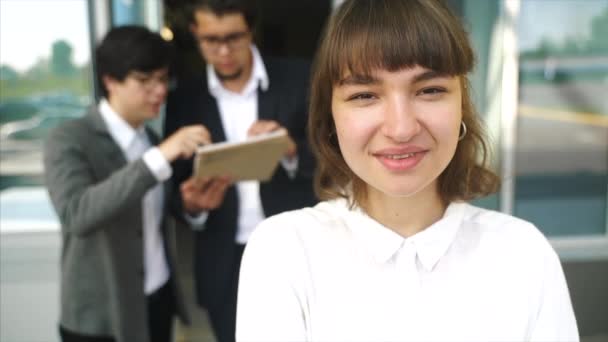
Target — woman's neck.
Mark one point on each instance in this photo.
(405, 215)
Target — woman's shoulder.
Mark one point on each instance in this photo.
(503, 229)
(493, 219)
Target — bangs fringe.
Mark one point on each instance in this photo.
(387, 36)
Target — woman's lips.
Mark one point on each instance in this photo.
(400, 159)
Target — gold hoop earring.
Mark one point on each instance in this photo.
(464, 131)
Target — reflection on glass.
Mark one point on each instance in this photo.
(44, 76)
(44, 79)
(562, 138)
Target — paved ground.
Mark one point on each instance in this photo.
(29, 292)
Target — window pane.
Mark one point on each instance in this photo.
(562, 137)
(45, 79)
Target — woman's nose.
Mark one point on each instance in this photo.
(400, 120)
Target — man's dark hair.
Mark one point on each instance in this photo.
(130, 48)
(222, 7)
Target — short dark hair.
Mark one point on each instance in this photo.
(247, 8)
(364, 35)
(130, 48)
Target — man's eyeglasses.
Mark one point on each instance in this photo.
(149, 80)
(233, 41)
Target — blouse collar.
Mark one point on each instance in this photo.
(430, 244)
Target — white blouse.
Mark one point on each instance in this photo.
(329, 273)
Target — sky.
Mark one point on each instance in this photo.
(29, 27)
(561, 18)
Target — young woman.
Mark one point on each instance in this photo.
(394, 253)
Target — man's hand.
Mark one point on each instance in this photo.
(183, 143)
(204, 194)
(266, 126)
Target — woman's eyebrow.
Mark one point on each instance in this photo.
(428, 75)
(358, 80)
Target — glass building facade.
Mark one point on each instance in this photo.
(540, 84)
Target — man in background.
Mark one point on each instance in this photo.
(240, 94)
(106, 175)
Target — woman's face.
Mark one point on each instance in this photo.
(398, 130)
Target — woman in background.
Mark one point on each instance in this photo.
(394, 253)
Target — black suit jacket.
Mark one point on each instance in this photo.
(285, 101)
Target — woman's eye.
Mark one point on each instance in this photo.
(432, 91)
(361, 96)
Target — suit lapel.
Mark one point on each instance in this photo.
(211, 117)
(267, 104)
(267, 99)
(105, 144)
(267, 110)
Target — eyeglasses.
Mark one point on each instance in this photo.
(233, 41)
(149, 80)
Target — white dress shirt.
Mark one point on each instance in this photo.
(238, 111)
(330, 273)
(135, 144)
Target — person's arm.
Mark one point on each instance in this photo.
(299, 98)
(289, 162)
(270, 300)
(192, 199)
(83, 203)
(555, 320)
(176, 116)
(199, 196)
(290, 79)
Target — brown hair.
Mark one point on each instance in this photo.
(364, 35)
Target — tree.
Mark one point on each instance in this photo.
(599, 33)
(40, 69)
(7, 73)
(61, 59)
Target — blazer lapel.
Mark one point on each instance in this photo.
(211, 118)
(267, 104)
(107, 147)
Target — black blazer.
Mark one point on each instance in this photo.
(285, 101)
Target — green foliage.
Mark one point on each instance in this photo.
(61, 59)
(599, 32)
(78, 84)
(58, 74)
(7, 73)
